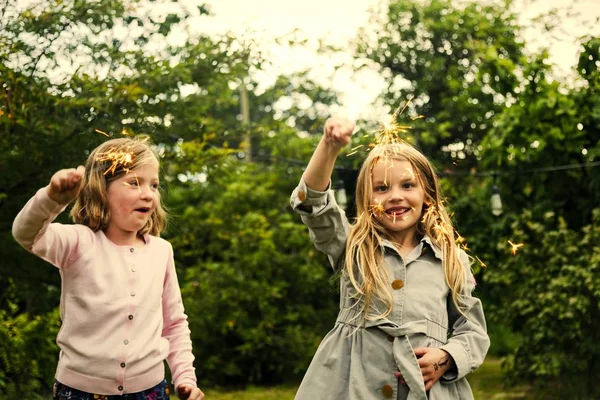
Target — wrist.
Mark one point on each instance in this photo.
(331, 147)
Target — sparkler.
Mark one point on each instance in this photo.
(391, 131)
(514, 247)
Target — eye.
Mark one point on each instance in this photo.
(155, 186)
(133, 182)
(408, 185)
(381, 188)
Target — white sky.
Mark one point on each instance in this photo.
(337, 22)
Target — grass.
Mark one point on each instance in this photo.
(486, 383)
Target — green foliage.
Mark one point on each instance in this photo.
(28, 351)
(551, 291)
(253, 282)
(459, 63)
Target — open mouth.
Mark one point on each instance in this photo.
(143, 210)
(397, 212)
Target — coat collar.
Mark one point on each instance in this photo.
(425, 243)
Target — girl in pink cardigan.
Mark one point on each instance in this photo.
(121, 308)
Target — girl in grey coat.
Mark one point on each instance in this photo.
(408, 327)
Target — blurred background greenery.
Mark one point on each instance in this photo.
(258, 296)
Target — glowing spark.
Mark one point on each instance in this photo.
(514, 247)
(481, 262)
(390, 131)
(117, 159)
(102, 132)
(377, 208)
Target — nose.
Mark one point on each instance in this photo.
(396, 193)
(146, 192)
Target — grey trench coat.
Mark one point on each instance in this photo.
(357, 359)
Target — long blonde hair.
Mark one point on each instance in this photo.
(364, 248)
(108, 162)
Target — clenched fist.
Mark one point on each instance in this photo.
(338, 131)
(65, 185)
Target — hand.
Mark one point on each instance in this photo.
(65, 185)
(433, 362)
(338, 131)
(189, 392)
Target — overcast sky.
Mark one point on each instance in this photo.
(337, 21)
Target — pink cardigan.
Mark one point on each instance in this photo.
(121, 308)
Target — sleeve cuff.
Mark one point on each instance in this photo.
(185, 381)
(305, 199)
(462, 361)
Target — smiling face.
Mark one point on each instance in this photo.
(397, 198)
(132, 198)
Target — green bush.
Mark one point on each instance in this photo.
(553, 296)
(28, 352)
(258, 295)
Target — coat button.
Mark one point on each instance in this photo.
(398, 284)
(387, 391)
(301, 195)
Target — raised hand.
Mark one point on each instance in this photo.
(338, 131)
(65, 185)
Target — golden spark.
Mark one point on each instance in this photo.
(481, 262)
(514, 247)
(117, 159)
(377, 208)
(102, 132)
(391, 131)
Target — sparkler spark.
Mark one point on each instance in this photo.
(377, 208)
(102, 132)
(514, 247)
(391, 131)
(481, 262)
(117, 159)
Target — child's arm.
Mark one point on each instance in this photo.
(176, 331)
(469, 342)
(326, 222)
(336, 134)
(32, 227)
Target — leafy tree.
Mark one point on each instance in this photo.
(459, 63)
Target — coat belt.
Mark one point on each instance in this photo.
(405, 358)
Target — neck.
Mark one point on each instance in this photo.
(124, 238)
(406, 242)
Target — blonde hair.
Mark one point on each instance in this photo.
(364, 248)
(108, 162)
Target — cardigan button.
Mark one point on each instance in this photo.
(387, 391)
(301, 195)
(398, 284)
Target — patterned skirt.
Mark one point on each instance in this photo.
(158, 392)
